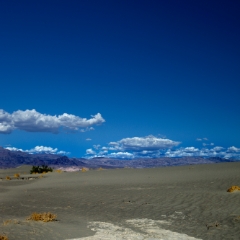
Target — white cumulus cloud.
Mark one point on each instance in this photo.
(90, 151)
(6, 124)
(121, 155)
(144, 143)
(233, 149)
(149, 146)
(42, 149)
(39, 149)
(218, 148)
(14, 149)
(33, 121)
(191, 149)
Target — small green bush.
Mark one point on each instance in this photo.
(42, 169)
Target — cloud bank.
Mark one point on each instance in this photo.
(40, 149)
(154, 147)
(128, 148)
(33, 121)
(227, 153)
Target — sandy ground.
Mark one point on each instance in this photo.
(160, 203)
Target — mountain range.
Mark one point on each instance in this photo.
(11, 159)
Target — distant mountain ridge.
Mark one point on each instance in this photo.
(11, 159)
(151, 162)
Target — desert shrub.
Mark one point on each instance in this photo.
(42, 169)
(16, 175)
(10, 221)
(8, 178)
(59, 170)
(237, 218)
(233, 188)
(43, 217)
(3, 237)
(84, 169)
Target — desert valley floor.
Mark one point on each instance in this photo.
(187, 202)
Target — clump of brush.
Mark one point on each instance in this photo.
(3, 237)
(43, 217)
(40, 169)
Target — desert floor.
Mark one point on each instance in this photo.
(184, 202)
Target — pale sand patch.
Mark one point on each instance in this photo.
(70, 169)
(147, 229)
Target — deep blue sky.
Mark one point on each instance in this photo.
(169, 69)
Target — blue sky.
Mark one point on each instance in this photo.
(120, 78)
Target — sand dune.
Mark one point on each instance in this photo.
(189, 202)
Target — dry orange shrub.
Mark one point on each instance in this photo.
(84, 169)
(43, 217)
(2, 237)
(10, 221)
(59, 170)
(233, 188)
(16, 175)
(8, 178)
(237, 218)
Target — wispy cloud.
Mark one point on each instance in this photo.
(40, 149)
(208, 144)
(86, 129)
(33, 121)
(202, 139)
(97, 146)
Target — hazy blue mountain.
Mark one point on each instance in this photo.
(15, 158)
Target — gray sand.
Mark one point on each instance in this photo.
(187, 197)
